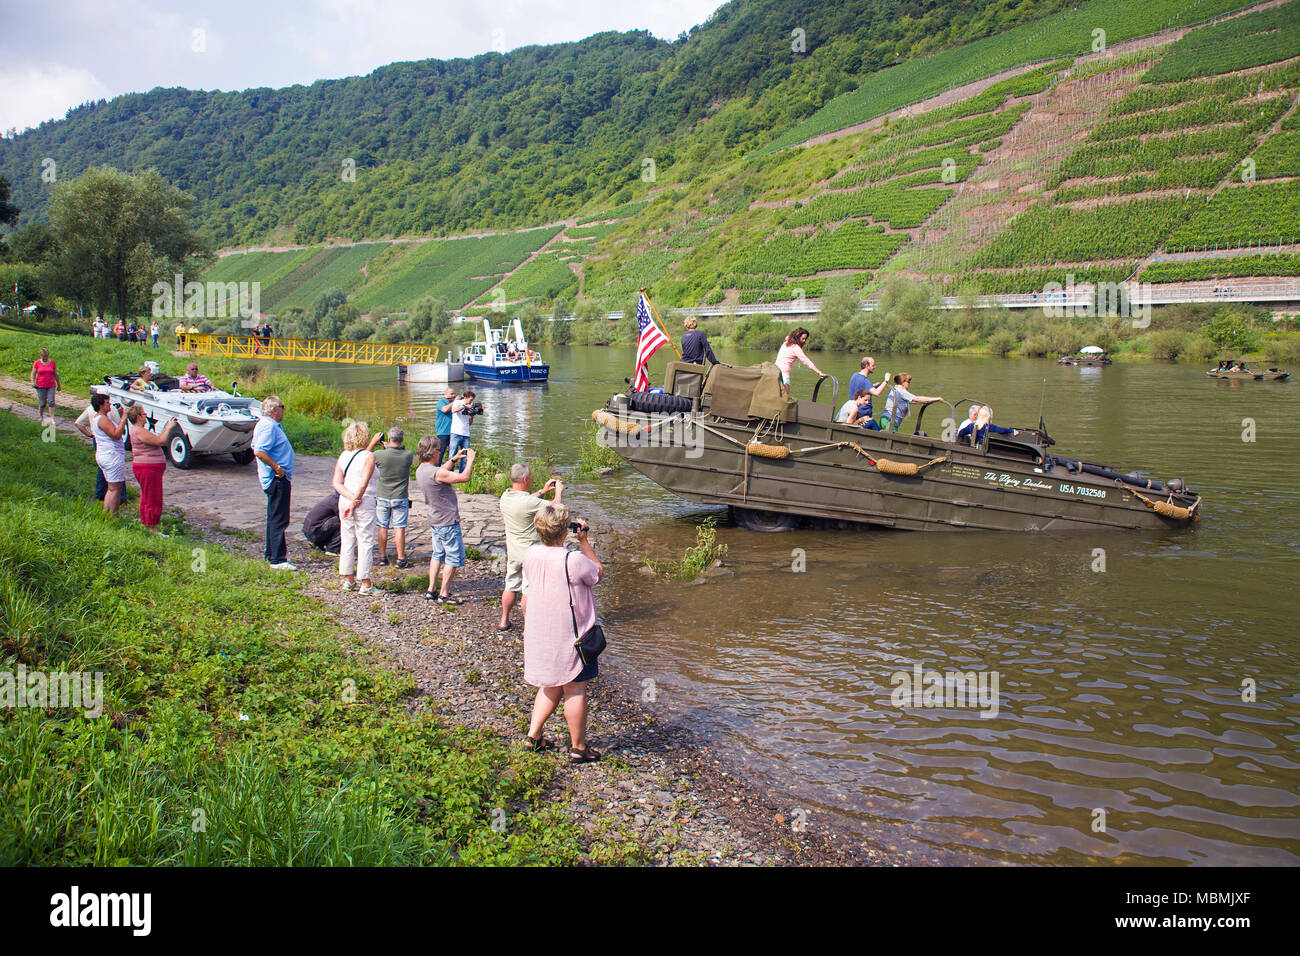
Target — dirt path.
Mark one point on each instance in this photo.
(658, 789)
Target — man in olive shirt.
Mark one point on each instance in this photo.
(392, 495)
(517, 509)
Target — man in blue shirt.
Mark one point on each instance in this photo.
(275, 471)
(442, 425)
(859, 381)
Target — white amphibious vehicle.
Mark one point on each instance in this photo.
(212, 423)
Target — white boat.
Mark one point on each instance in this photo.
(436, 373)
(212, 423)
(496, 358)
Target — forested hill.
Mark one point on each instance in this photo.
(497, 140)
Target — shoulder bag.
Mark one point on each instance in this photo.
(590, 644)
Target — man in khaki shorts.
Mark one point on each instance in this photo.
(517, 510)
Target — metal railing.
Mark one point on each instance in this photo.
(307, 350)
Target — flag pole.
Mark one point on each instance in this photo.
(661, 324)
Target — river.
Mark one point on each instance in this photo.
(1148, 700)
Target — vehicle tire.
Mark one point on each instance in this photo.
(244, 457)
(655, 402)
(765, 522)
(178, 449)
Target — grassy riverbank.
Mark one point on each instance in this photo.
(314, 412)
(240, 724)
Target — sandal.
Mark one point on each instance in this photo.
(506, 628)
(430, 596)
(448, 600)
(537, 744)
(585, 755)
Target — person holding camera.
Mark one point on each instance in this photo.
(560, 607)
(463, 411)
(435, 483)
(518, 509)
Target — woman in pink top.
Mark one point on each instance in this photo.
(45, 379)
(551, 662)
(148, 464)
(790, 350)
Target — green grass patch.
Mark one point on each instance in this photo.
(240, 725)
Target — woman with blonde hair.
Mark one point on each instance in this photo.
(354, 480)
(148, 464)
(560, 607)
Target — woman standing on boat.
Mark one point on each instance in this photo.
(110, 451)
(790, 350)
(148, 464)
(354, 480)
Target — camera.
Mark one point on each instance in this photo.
(576, 526)
(475, 409)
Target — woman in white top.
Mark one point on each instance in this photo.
(354, 480)
(900, 400)
(110, 450)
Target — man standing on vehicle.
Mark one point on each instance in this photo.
(275, 471)
(392, 503)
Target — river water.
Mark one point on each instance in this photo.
(1147, 702)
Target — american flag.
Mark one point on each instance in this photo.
(649, 338)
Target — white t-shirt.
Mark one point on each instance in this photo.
(459, 420)
(846, 411)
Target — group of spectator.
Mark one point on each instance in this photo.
(126, 331)
(371, 487)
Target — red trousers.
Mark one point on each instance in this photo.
(150, 476)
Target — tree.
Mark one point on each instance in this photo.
(34, 243)
(429, 318)
(8, 211)
(117, 234)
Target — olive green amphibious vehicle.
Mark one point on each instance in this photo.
(733, 438)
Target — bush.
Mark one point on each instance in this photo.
(1168, 344)
(1003, 343)
(1201, 349)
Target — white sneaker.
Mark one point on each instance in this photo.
(349, 585)
(285, 566)
(366, 589)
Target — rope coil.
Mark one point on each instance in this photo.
(614, 423)
(1168, 509)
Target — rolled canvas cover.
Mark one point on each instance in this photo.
(752, 391)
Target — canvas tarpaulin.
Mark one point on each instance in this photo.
(752, 391)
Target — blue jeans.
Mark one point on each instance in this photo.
(457, 443)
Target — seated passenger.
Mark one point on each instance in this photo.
(192, 381)
(145, 381)
(979, 423)
(900, 401)
(857, 411)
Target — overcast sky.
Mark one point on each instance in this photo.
(56, 54)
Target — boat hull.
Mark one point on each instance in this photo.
(706, 461)
(519, 374)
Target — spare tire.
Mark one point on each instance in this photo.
(657, 402)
